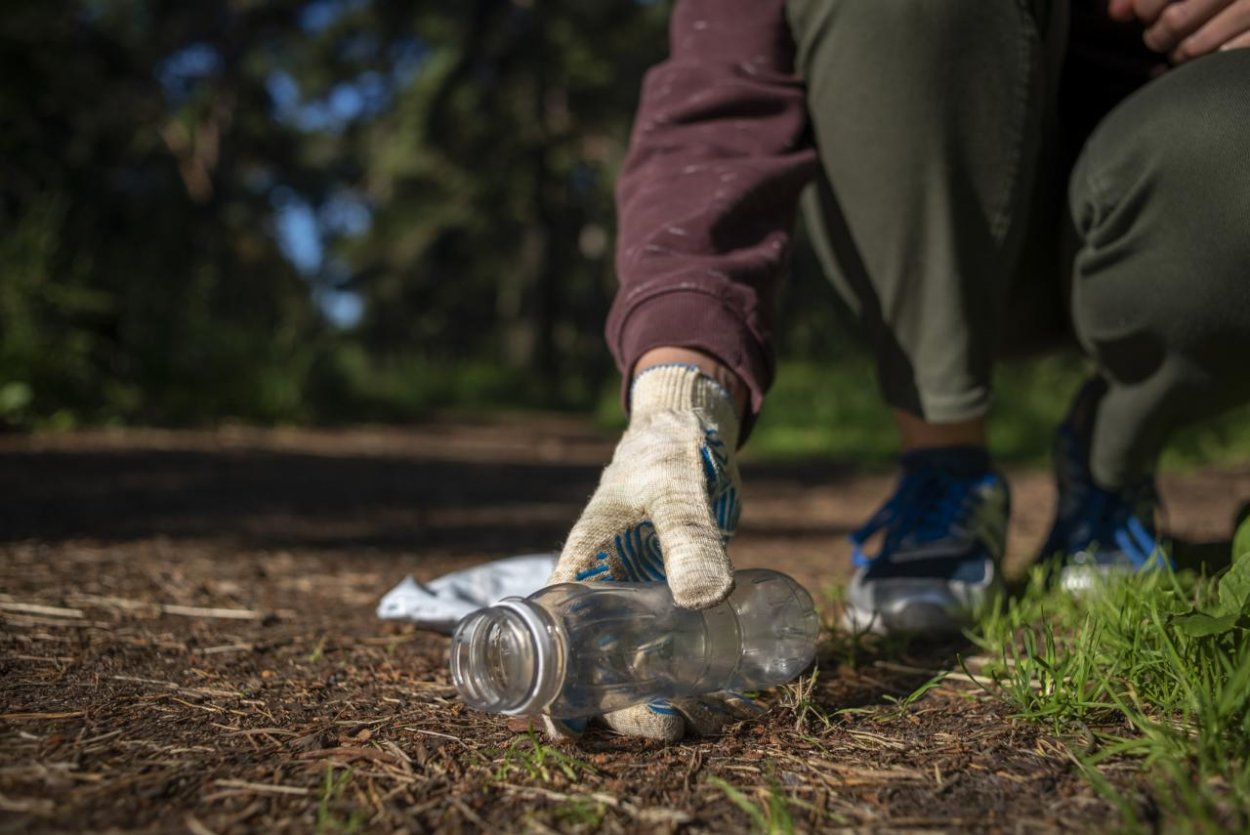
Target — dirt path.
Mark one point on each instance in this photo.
(188, 644)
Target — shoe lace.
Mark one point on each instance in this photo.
(1119, 520)
(928, 505)
(1115, 520)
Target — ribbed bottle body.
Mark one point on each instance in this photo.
(592, 648)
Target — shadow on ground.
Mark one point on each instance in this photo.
(488, 496)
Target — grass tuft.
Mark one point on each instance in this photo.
(580, 813)
(769, 816)
(798, 697)
(1153, 667)
(529, 756)
(331, 820)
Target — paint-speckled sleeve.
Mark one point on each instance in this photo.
(706, 200)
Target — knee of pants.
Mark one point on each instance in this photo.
(1180, 142)
(1161, 200)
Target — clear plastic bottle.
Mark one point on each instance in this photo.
(583, 649)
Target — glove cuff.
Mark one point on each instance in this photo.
(683, 387)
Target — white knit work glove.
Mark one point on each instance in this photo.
(665, 508)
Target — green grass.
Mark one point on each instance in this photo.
(769, 816)
(834, 410)
(529, 756)
(580, 813)
(799, 697)
(331, 818)
(1153, 669)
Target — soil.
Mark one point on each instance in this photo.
(188, 644)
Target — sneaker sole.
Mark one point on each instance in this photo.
(934, 607)
(1084, 579)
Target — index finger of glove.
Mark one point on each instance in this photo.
(695, 560)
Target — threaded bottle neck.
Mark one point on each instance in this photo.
(503, 659)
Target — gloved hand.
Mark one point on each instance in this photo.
(672, 483)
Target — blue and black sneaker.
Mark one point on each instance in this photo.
(943, 533)
(1097, 531)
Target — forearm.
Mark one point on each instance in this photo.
(707, 197)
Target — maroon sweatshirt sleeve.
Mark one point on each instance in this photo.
(706, 200)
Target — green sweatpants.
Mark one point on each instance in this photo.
(997, 172)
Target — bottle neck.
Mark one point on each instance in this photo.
(504, 659)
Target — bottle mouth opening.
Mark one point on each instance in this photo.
(501, 658)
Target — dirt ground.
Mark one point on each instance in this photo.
(188, 644)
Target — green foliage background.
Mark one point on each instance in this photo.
(452, 162)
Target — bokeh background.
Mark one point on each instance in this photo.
(342, 211)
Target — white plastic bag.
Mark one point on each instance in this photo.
(441, 603)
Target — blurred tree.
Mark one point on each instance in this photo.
(299, 209)
(169, 171)
(491, 178)
(136, 160)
